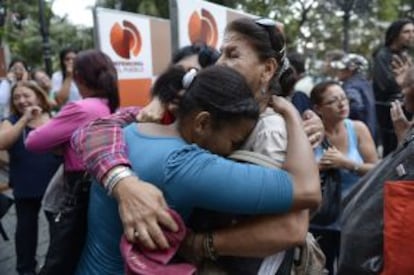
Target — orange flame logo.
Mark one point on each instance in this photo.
(125, 39)
(203, 28)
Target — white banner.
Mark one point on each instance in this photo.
(200, 21)
(126, 38)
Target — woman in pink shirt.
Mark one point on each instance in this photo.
(96, 78)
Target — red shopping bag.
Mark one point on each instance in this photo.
(399, 228)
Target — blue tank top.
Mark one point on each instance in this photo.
(189, 177)
(348, 178)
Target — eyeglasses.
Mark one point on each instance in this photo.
(336, 101)
(265, 22)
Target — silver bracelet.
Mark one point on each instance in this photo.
(112, 173)
(118, 178)
(115, 176)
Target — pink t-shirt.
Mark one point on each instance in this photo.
(57, 132)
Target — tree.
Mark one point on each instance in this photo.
(22, 32)
(311, 26)
(158, 8)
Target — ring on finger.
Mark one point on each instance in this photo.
(136, 233)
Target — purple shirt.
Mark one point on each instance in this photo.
(57, 132)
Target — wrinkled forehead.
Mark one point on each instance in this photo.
(234, 39)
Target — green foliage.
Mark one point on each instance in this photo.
(23, 35)
(407, 8)
(311, 26)
(388, 9)
(158, 8)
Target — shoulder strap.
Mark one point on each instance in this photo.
(409, 137)
(255, 158)
(351, 132)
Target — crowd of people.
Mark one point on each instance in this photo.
(166, 180)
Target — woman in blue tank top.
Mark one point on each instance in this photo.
(352, 152)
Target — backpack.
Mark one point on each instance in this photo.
(362, 218)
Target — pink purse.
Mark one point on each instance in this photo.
(142, 261)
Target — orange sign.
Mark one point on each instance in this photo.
(203, 28)
(125, 39)
(139, 46)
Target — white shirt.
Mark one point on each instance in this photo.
(269, 138)
(57, 82)
(5, 89)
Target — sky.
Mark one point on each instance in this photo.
(76, 10)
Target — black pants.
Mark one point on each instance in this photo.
(389, 141)
(68, 229)
(386, 129)
(329, 241)
(27, 212)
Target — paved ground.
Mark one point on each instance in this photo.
(7, 252)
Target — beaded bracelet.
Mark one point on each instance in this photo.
(209, 250)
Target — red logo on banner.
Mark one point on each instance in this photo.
(125, 39)
(203, 28)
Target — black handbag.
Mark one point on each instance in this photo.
(330, 208)
(5, 203)
(68, 228)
